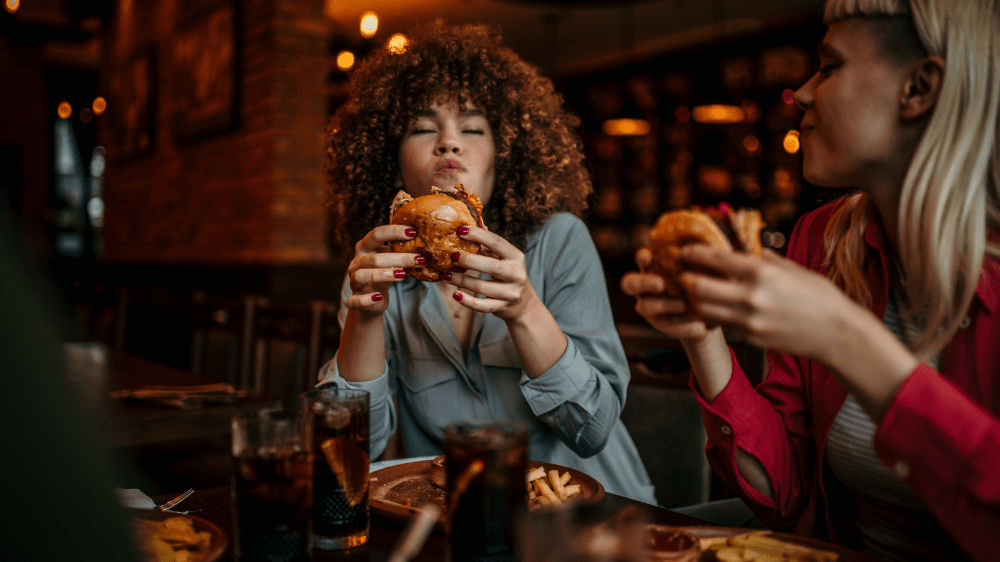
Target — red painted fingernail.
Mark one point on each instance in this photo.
(420, 260)
(411, 232)
(446, 276)
(454, 257)
(458, 295)
(462, 230)
(377, 297)
(398, 274)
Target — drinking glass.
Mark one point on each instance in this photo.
(584, 533)
(485, 462)
(271, 487)
(338, 421)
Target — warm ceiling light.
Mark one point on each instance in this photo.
(12, 5)
(791, 142)
(788, 96)
(397, 44)
(718, 114)
(369, 24)
(65, 110)
(751, 144)
(345, 60)
(100, 104)
(626, 127)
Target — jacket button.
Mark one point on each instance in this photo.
(964, 323)
(901, 469)
(727, 430)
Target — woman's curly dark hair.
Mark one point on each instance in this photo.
(539, 158)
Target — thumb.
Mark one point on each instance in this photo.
(770, 255)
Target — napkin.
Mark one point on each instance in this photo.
(134, 497)
(184, 397)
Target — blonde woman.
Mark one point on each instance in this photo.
(878, 423)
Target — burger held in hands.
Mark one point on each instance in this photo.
(723, 227)
(436, 217)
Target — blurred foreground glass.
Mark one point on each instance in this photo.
(338, 421)
(272, 487)
(584, 533)
(486, 462)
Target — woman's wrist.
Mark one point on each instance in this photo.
(711, 362)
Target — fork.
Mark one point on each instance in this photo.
(169, 505)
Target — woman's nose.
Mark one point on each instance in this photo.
(446, 145)
(804, 95)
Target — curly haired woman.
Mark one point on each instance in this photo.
(526, 332)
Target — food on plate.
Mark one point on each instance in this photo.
(171, 540)
(436, 216)
(722, 227)
(760, 546)
(437, 471)
(672, 543)
(544, 487)
(549, 487)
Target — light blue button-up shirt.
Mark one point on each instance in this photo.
(573, 408)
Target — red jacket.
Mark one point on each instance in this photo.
(941, 433)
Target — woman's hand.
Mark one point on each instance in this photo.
(772, 302)
(665, 313)
(508, 293)
(372, 270)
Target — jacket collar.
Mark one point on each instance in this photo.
(988, 285)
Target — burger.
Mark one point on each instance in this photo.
(436, 216)
(722, 227)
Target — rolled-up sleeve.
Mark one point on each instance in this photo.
(580, 397)
(381, 415)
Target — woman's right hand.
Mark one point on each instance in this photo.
(665, 313)
(373, 270)
(705, 345)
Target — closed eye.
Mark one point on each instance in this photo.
(474, 131)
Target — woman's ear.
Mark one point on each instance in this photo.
(922, 87)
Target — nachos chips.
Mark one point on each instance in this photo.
(171, 540)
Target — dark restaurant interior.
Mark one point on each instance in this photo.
(162, 166)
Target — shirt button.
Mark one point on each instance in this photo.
(964, 323)
(901, 469)
(727, 430)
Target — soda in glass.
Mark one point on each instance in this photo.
(485, 463)
(271, 487)
(338, 421)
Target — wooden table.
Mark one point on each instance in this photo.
(215, 505)
(139, 423)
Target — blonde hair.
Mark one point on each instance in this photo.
(950, 195)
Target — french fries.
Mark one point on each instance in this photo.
(759, 546)
(549, 487)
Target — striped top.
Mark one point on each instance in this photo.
(892, 522)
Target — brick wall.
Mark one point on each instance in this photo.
(250, 196)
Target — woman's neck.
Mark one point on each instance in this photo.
(886, 201)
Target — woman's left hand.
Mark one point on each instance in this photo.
(508, 293)
(772, 302)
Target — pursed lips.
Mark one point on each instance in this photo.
(448, 167)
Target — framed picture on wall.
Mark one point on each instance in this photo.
(205, 73)
(133, 104)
